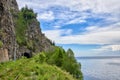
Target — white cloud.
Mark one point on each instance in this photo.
(113, 27)
(95, 6)
(92, 28)
(55, 35)
(57, 27)
(68, 31)
(98, 6)
(81, 5)
(48, 16)
(93, 35)
(108, 48)
(77, 20)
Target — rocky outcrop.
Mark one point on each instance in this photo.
(7, 31)
(36, 40)
(4, 55)
(9, 47)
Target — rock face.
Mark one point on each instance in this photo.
(9, 48)
(7, 31)
(36, 40)
(4, 55)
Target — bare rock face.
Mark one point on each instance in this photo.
(9, 48)
(4, 55)
(7, 32)
(13, 5)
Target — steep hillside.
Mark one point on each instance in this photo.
(20, 32)
(7, 31)
(53, 65)
(29, 37)
(28, 69)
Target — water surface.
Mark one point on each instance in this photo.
(98, 68)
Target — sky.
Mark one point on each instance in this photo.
(88, 27)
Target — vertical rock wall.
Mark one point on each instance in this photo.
(7, 32)
(9, 48)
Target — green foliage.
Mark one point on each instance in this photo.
(43, 67)
(29, 69)
(25, 16)
(20, 29)
(56, 58)
(30, 44)
(70, 53)
(28, 14)
(65, 60)
(74, 67)
(1, 43)
(40, 58)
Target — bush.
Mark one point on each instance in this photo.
(40, 58)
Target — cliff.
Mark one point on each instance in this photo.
(7, 31)
(20, 34)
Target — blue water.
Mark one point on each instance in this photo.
(100, 68)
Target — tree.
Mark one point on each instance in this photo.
(57, 57)
(65, 60)
(28, 13)
(70, 53)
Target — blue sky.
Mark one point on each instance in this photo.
(89, 27)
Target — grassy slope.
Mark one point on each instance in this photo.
(28, 69)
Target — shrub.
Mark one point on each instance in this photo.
(40, 58)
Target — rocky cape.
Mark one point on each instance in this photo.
(9, 47)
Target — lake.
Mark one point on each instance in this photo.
(100, 68)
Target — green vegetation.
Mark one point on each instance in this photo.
(20, 29)
(55, 65)
(25, 17)
(31, 69)
(28, 14)
(64, 60)
(1, 43)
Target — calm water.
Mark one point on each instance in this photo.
(100, 68)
